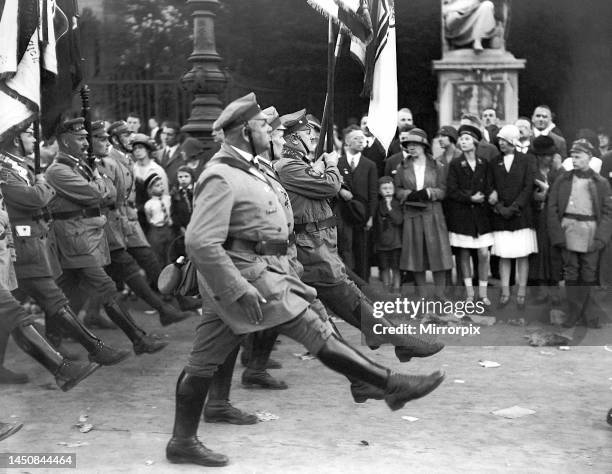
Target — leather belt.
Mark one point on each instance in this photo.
(579, 217)
(88, 212)
(45, 215)
(310, 227)
(264, 247)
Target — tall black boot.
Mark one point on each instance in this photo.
(255, 375)
(218, 407)
(67, 374)
(406, 345)
(141, 341)
(98, 351)
(8, 376)
(399, 388)
(53, 333)
(167, 314)
(184, 446)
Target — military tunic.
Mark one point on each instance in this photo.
(309, 192)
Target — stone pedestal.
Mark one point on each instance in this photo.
(469, 82)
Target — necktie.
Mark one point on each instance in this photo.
(353, 163)
(164, 210)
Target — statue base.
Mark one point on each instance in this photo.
(470, 82)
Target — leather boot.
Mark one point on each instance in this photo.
(218, 407)
(53, 334)
(255, 375)
(184, 446)
(406, 345)
(67, 374)
(98, 351)
(167, 314)
(142, 342)
(399, 388)
(8, 376)
(9, 429)
(93, 317)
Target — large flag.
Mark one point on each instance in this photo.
(352, 16)
(27, 52)
(57, 93)
(378, 60)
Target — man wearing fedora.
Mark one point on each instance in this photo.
(580, 224)
(238, 240)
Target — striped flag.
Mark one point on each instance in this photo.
(378, 60)
(352, 16)
(27, 48)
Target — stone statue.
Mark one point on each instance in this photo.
(470, 22)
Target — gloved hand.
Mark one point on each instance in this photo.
(422, 195)
(505, 212)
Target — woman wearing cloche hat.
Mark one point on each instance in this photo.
(420, 185)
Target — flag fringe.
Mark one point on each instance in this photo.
(337, 21)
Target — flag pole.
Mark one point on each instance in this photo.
(327, 122)
(36, 124)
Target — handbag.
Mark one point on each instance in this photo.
(179, 278)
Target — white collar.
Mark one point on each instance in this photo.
(545, 132)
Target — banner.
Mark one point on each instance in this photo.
(352, 16)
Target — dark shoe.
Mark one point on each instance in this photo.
(404, 354)
(9, 429)
(404, 388)
(261, 379)
(148, 345)
(273, 364)
(106, 355)
(9, 377)
(191, 451)
(170, 315)
(98, 321)
(362, 391)
(69, 374)
(227, 413)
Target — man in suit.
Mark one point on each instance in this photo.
(543, 125)
(373, 149)
(133, 122)
(489, 122)
(360, 183)
(405, 122)
(169, 157)
(238, 239)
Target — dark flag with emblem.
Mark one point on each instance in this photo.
(27, 57)
(378, 60)
(352, 16)
(57, 94)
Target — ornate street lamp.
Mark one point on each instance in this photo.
(205, 80)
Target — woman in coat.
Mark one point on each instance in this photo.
(514, 232)
(468, 187)
(420, 186)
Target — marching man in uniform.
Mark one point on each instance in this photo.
(238, 240)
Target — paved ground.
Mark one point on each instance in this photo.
(320, 429)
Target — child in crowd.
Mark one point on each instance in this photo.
(182, 198)
(388, 234)
(157, 212)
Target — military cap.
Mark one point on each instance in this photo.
(470, 130)
(98, 129)
(76, 126)
(151, 179)
(313, 122)
(583, 145)
(449, 131)
(238, 112)
(295, 122)
(119, 127)
(142, 139)
(273, 118)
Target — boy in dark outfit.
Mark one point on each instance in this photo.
(388, 234)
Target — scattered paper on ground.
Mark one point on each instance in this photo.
(564, 348)
(82, 425)
(608, 348)
(266, 416)
(459, 381)
(149, 462)
(304, 356)
(410, 418)
(547, 353)
(513, 412)
(489, 364)
(78, 444)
